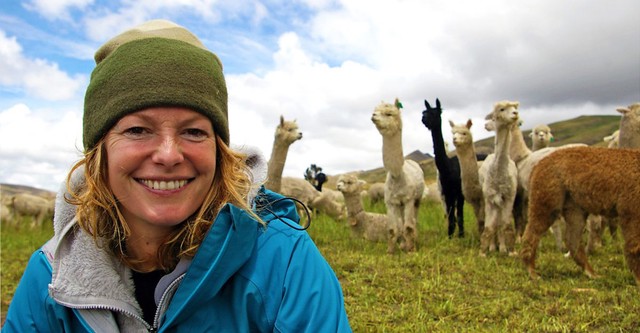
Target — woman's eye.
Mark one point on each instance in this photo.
(196, 134)
(135, 131)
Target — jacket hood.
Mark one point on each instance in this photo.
(84, 274)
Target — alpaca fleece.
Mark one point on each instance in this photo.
(574, 182)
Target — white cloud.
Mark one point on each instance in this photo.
(57, 9)
(38, 146)
(37, 77)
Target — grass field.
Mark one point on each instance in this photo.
(444, 286)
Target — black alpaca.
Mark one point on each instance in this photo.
(448, 170)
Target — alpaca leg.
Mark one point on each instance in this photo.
(539, 222)
(460, 210)
(409, 228)
(478, 210)
(631, 235)
(509, 234)
(575, 222)
(451, 219)
(595, 229)
(487, 239)
(519, 214)
(395, 229)
(556, 230)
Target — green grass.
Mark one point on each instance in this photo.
(444, 286)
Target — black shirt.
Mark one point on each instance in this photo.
(145, 286)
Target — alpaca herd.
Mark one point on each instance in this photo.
(517, 193)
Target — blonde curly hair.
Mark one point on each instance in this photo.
(99, 215)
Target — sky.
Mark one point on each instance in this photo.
(326, 64)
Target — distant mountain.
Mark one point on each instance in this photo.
(11, 189)
(418, 156)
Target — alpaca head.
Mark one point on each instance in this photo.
(431, 117)
(386, 117)
(629, 135)
(287, 132)
(461, 134)
(541, 136)
(504, 114)
(349, 184)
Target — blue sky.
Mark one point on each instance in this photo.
(326, 64)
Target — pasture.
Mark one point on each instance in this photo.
(444, 286)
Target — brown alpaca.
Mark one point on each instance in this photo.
(575, 182)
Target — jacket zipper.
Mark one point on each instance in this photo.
(162, 307)
(109, 308)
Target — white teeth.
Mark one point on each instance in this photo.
(164, 185)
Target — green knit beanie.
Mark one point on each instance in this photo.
(155, 64)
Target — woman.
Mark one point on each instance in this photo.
(161, 226)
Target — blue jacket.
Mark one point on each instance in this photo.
(244, 278)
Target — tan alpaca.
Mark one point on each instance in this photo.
(629, 135)
(368, 225)
(404, 185)
(471, 187)
(574, 182)
(541, 137)
(498, 176)
(287, 132)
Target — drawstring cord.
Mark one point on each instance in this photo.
(262, 204)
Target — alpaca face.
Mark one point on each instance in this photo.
(387, 118)
(461, 134)
(504, 113)
(288, 132)
(431, 117)
(541, 135)
(349, 184)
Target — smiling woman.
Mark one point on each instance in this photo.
(161, 226)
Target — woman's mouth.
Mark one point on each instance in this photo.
(164, 184)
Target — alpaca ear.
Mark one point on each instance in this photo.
(624, 111)
(451, 123)
(281, 120)
(469, 123)
(437, 103)
(427, 105)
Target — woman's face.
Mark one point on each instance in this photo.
(161, 163)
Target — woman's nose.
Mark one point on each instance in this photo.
(169, 152)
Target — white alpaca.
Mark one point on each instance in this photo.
(287, 132)
(371, 226)
(498, 176)
(302, 190)
(376, 192)
(471, 187)
(541, 137)
(405, 179)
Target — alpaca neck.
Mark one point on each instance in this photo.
(439, 151)
(518, 150)
(502, 143)
(354, 204)
(392, 155)
(537, 145)
(276, 166)
(628, 137)
(468, 163)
